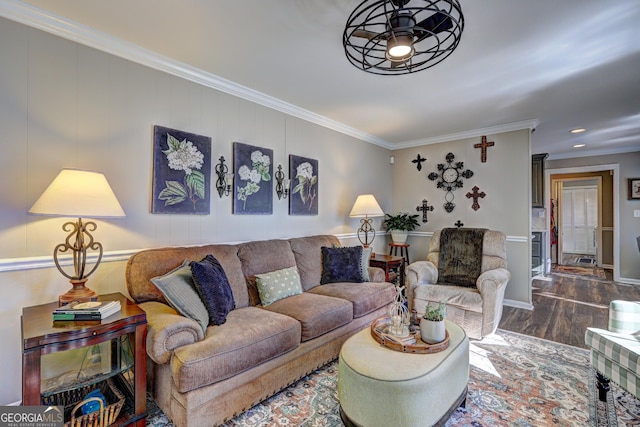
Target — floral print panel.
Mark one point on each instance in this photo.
(181, 172)
(253, 189)
(304, 195)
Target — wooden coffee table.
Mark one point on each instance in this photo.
(378, 386)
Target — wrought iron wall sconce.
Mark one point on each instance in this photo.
(225, 179)
(282, 184)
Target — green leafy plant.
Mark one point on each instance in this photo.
(402, 221)
(435, 312)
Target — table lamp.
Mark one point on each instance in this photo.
(366, 207)
(78, 193)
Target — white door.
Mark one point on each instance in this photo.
(579, 219)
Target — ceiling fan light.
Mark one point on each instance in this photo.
(400, 48)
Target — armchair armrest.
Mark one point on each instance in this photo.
(624, 316)
(419, 273)
(492, 281)
(168, 330)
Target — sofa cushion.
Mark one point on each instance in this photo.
(341, 264)
(250, 336)
(213, 287)
(365, 297)
(308, 257)
(178, 289)
(278, 284)
(263, 256)
(317, 314)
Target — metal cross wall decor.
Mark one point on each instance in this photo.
(424, 208)
(483, 148)
(459, 224)
(418, 160)
(475, 194)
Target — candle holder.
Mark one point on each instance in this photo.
(399, 315)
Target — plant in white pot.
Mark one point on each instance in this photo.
(432, 328)
(399, 225)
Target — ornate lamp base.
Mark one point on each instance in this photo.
(79, 293)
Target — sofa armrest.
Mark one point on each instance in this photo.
(168, 330)
(376, 274)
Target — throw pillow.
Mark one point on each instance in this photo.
(278, 284)
(341, 264)
(178, 289)
(364, 264)
(213, 287)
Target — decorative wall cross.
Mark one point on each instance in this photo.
(475, 206)
(459, 224)
(418, 160)
(483, 148)
(424, 208)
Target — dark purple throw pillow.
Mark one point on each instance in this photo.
(341, 265)
(212, 285)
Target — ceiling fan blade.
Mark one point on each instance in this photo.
(436, 23)
(370, 35)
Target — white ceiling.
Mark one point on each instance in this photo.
(560, 64)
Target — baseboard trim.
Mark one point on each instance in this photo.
(517, 304)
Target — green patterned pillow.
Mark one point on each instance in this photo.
(278, 284)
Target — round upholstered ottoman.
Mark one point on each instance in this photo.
(378, 386)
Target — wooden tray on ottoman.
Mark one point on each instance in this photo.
(380, 326)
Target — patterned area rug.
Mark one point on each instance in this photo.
(515, 380)
(571, 270)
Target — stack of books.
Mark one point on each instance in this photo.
(92, 310)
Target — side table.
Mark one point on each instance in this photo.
(42, 336)
(392, 265)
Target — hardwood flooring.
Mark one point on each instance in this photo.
(565, 306)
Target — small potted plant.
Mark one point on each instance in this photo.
(432, 328)
(399, 225)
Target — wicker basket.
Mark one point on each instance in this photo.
(72, 400)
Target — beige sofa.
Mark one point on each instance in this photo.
(477, 309)
(206, 378)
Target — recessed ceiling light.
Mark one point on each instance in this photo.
(579, 145)
(577, 130)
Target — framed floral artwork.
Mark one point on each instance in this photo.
(304, 180)
(181, 172)
(253, 171)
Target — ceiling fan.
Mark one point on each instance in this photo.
(402, 36)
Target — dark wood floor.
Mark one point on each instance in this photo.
(565, 306)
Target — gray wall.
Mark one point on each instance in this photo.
(66, 105)
(505, 178)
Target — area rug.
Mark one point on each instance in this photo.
(514, 380)
(572, 271)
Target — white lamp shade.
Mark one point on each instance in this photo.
(78, 193)
(366, 206)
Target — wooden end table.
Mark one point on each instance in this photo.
(42, 336)
(392, 265)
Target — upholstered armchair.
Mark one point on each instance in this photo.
(615, 353)
(468, 273)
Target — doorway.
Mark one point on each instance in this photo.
(606, 242)
(579, 206)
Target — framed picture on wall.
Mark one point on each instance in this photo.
(633, 188)
(304, 180)
(253, 189)
(181, 172)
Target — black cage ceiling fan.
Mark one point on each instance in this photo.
(402, 36)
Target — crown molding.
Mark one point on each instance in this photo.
(57, 25)
(508, 127)
(591, 153)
